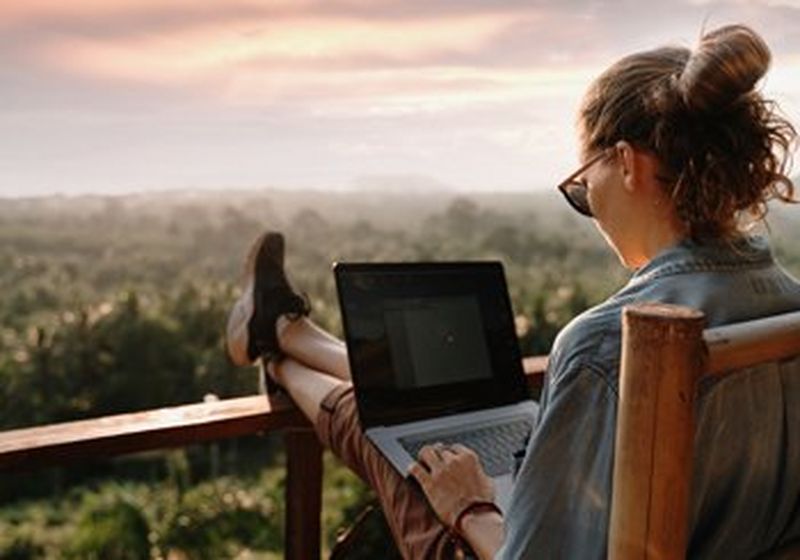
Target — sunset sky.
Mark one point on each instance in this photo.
(114, 96)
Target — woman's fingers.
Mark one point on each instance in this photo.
(419, 472)
(431, 455)
(458, 448)
(466, 454)
(451, 476)
(438, 455)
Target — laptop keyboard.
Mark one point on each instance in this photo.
(495, 444)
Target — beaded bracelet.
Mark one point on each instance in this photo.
(456, 530)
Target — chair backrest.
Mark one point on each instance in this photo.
(665, 351)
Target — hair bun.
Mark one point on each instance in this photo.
(726, 65)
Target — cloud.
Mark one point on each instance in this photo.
(384, 57)
(290, 43)
(394, 66)
(251, 91)
(135, 11)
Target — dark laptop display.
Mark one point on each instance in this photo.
(429, 339)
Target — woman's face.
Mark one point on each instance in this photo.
(608, 203)
(627, 203)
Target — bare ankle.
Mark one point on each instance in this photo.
(273, 370)
(283, 327)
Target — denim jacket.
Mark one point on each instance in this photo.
(746, 484)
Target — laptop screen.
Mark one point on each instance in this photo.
(428, 339)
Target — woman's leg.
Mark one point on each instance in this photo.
(330, 406)
(306, 342)
(316, 375)
(307, 387)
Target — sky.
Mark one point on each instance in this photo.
(119, 96)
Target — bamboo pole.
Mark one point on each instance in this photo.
(736, 346)
(662, 358)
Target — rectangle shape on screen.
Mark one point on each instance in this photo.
(436, 341)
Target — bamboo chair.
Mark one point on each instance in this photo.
(664, 352)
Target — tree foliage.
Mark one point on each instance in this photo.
(118, 304)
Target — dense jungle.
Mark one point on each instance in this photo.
(117, 304)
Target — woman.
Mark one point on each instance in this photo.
(680, 155)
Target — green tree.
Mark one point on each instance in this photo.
(110, 531)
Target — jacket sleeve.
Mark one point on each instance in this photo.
(560, 503)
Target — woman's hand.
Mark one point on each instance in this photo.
(452, 478)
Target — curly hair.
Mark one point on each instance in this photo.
(724, 150)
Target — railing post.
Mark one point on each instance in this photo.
(303, 495)
(662, 358)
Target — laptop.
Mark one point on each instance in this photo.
(434, 357)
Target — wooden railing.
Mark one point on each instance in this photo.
(58, 444)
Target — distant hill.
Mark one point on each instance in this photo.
(389, 208)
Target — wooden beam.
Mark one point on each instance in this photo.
(303, 495)
(662, 357)
(737, 346)
(58, 444)
(535, 367)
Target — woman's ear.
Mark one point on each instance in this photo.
(639, 168)
(627, 157)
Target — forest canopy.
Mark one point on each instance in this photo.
(115, 304)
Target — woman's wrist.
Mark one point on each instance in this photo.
(482, 528)
(472, 508)
(477, 520)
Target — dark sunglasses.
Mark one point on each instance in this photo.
(576, 191)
